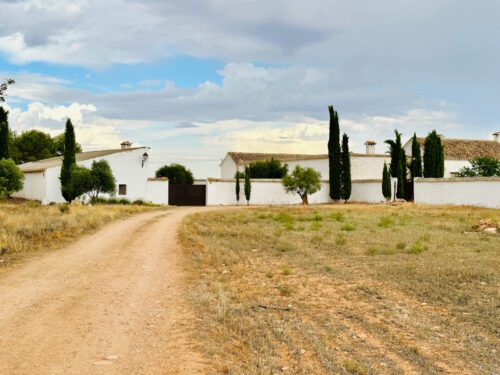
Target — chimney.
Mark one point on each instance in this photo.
(370, 147)
(496, 137)
(125, 145)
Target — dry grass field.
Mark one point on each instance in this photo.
(27, 226)
(354, 289)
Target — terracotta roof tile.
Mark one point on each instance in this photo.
(467, 149)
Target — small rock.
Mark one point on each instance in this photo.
(225, 271)
(383, 364)
(435, 328)
(111, 357)
(490, 230)
(483, 283)
(302, 351)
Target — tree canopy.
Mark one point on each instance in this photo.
(102, 179)
(11, 178)
(3, 88)
(268, 169)
(416, 158)
(386, 183)
(346, 169)
(176, 174)
(398, 163)
(303, 181)
(69, 160)
(334, 155)
(481, 167)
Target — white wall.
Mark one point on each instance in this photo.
(271, 192)
(479, 191)
(363, 167)
(34, 187)
(157, 191)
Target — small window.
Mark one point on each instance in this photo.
(122, 189)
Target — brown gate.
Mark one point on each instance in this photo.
(186, 195)
(409, 191)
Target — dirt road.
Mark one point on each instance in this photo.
(113, 302)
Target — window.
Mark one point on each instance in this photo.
(122, 189)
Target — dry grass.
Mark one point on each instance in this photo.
(346, 289)
(27, 226)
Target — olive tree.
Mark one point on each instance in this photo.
(303, 181)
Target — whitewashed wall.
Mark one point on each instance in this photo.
(34, 187)
(479, 191)
(271, 192)
(157, 191)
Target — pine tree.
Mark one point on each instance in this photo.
(433, 156)
(334, 156)
(248, 185)
(416, 158)
(4, 134)
(69, 159)
(346, 169)
(237, 187)
(386, 183)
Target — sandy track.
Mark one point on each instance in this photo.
(118, 293)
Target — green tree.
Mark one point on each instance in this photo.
(303, 181)
(334, 155)
(433, 156)
(248, 185)
(81, 182)
(33, 145)
(237, 188)
(4, 140)
(176, 174)
(102, 179)
(59, 145)
(481, 167)
(11, 178)
(268, 169)
(386, 183)
(397, 164)
(3, 87)
(69, 160)
(346, 169)
(416, 158)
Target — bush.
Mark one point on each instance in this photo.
(103, 180)
(80, 182)
(176, 174)
(303, 181)
(11, 178)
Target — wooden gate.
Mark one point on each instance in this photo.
(409, 191)
(186, 195)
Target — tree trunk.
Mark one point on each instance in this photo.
(305, 201)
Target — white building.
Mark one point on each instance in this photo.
(367, 166)
(129, 166)
(459, 152)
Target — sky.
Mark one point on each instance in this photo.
(194, 79)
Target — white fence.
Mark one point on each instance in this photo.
(271, 192)
(477, 191)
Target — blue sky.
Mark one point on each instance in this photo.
(195, 79)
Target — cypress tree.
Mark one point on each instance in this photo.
(69, 160)
(433, 156)
(334, 155)
(386, 183)
(4, 134)
(248, 185)
(395, 151)
(400, 192)
(416, 158)
(404, 167)
(237, 187)
(346, 169)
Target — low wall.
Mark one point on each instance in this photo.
(271, 192)
(157, 191)
(478, 191)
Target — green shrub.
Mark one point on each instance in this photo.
(348, 227)
(337, 216)
(417, 248)
(124, 201)
(385, 222)
(286, 270)
(138, 202)
(11, 178)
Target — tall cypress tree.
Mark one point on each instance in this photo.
(4, 134)
(416, 158)
(248, 185)
(396, 167)
(346, 169)
(334, 155)
(69, 159)
(237, 187)
(433, 156)
(386, 183)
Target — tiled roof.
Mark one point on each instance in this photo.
(42, 165)
(243, 158)
(467, 149)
